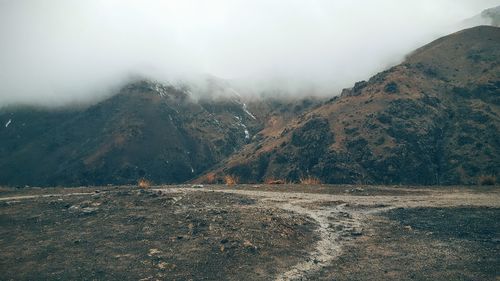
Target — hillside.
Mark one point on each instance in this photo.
(434, 119)
(147, 130)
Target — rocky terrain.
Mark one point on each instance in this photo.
(248, 232)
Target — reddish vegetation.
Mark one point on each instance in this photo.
(210, 178)
(487, 180)
(231, 180)
(143, 183)
(272, 181)
(310, 180)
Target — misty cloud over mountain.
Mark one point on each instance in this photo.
(62, 51)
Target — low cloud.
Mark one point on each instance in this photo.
(65, 51)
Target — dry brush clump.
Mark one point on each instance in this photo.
(310, 180)
(143, 183)
(487, 180)
(231, 180)
(274, 181)
(210, 178)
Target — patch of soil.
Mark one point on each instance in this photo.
(424, 244)
(144, 235)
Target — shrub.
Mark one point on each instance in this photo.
(310, 180)
(210, 178)
(230, 180)
(487, 180)
(143, 183)
(273, 181)
(391, 88)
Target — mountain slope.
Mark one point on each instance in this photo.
(434, 119)
(147, 130)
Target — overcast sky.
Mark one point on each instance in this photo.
(59, 51)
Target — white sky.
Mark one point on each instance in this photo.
(59, 51)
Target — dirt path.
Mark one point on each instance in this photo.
(340, 218)
(340, 222)
(25, 197)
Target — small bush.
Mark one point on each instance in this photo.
(487, 180)
(273, 181)
(230, 180)
(143, 183)
(391, 88)
(210, 178)
(310, 180)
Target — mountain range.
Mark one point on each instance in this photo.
(432, 120)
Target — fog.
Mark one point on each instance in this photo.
(54, 52)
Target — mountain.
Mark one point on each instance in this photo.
(488, 17)
(147, 130)
(434, 119)
(493, 15)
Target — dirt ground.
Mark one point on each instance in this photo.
(250, 232)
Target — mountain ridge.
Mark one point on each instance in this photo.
(434, 119)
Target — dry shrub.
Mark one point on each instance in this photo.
(143, 183)
(273, 181)
(230, 180)
(210, 178)
(310, 180)
(487, 180)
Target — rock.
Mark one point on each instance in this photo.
(154, 252)
(249, 246)
(84, 210)
(197, 186)
(89, 210)
(166, 265)
(356, 232)
(73, 208)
